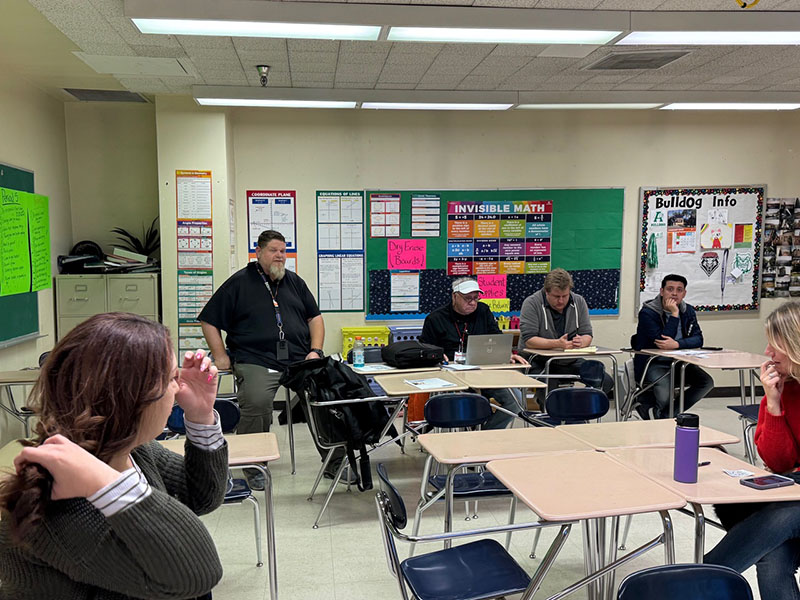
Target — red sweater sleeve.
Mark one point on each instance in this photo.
(777, 436)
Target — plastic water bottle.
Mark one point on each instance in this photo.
(687, 448)
(358, 353)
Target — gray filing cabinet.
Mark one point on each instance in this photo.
(78, 297)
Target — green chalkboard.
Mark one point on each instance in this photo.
(20, 311)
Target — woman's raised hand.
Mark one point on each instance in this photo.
(773, 386)
(197, 387)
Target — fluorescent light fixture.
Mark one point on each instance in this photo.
(274, 103)
(593, 106)
(258, 29)
(711, 38)
(434, 106)
(500, 36)
(730, 106)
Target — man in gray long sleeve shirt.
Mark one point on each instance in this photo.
(557, 318)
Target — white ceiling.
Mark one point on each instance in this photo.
(41, 46)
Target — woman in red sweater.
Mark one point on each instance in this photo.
(768, 534)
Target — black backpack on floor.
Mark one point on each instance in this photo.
(324, 380)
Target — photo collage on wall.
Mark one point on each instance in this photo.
(781, 275)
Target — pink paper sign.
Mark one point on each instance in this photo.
(493, 286)
(406, 254)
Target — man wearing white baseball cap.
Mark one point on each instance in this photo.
(450, 325)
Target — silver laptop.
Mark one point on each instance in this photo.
(492, 349)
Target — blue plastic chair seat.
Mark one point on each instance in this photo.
(471, 484)
(451, 574)
(239, 492)
(748, 411)
(690, 581)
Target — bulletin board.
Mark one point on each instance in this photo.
(418, 241)
(711, 236)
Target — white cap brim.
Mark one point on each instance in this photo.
(465, 287)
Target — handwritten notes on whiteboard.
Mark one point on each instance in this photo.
(24, 242)
(406, 254)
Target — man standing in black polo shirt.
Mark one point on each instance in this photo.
(271, 320)
(450, 325)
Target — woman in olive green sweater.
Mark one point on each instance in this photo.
(97, 509)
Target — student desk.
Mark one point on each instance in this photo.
(639, 434)
(395, 384)
(726, 360)
(496, 378)
(601, 352)
(712, 487)
(373, 369)
(479, 447)
(252, 451)
(9, 379)
(590, 486)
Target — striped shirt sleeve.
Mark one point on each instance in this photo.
(205, 437)
(128, 489)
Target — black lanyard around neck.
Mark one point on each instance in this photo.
(274, 299)
(461, 335)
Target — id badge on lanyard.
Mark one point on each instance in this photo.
(281, 346)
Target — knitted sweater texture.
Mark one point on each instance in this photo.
(156, 548)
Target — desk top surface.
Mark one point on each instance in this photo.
(382, 368)
(640, 434)
(581, 485)
(601, 351)
(243, 449)
(395, 384)
(482, 446)
(714, 359)
(713, 485)
(494, 379)
(25, 377)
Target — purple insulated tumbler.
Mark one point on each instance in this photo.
(687, 446)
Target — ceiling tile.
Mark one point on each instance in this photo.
(158, 51)
(144, 85)
(253, 44)
(205, 42)
(394, 86)
(109, 8)
(313, 45)
(569, 4)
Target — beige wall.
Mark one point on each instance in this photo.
(111, 151)
(32, 137)
(309, 150)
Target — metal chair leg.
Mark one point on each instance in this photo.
(321, 473)
(625, 533)
(536, 535)
(336, 479)
(257, 524)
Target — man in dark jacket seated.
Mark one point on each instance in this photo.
(668, 323)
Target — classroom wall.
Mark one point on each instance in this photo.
(111, 153)
(309, 150)
(32, 136)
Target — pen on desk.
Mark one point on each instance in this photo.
(705, 463)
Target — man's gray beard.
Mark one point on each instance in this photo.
(277, 271)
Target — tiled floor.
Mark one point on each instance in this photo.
(344, 558)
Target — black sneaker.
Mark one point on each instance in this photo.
(347, 478)
(255, 479)
(643, 411)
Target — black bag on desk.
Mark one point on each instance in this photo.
(325, 380)
(412, 354)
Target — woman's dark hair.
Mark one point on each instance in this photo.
(93, 389)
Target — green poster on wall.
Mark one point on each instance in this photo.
(24, 242)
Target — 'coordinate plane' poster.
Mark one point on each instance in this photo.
(503, 237)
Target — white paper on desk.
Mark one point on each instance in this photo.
(460, 367)
(700, 353)
(430, 384)
(374, 368)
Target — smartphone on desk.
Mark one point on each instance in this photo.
(767, 482)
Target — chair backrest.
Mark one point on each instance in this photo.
(229, 416)
(396, 507)
(591, 373)
(457, 410)
(574, 403)
(678, 582)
